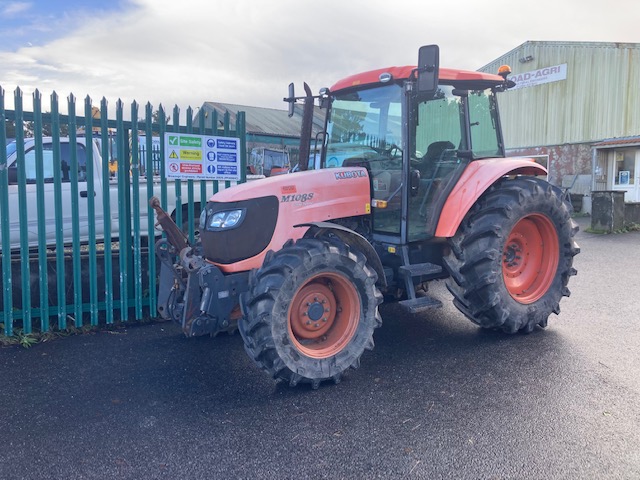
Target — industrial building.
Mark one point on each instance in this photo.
(576, 107)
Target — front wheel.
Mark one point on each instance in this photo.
(310, 311)
(511, 259)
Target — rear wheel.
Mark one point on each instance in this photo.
(511, 259)
(310, 311)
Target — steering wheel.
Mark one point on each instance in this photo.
(392, 150)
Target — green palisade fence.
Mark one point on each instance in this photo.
(58, 274)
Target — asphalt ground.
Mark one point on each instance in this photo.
(436, 398)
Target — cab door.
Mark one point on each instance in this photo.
(447, 131)
(437, 134)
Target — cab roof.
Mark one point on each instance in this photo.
(458, 78)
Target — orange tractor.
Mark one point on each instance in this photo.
(412, 185)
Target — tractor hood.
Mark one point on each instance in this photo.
(274, 210)
(333, 187)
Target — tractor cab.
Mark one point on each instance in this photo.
(415, 136)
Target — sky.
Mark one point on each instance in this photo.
(246, 52)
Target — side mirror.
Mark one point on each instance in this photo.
(428, 68)
(414, 182)
(324, 97)
(291, 99)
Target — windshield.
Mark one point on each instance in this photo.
(365, 130)
(366, 122)
(11, 148)
(362, 124)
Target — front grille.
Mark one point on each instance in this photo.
(248, 239)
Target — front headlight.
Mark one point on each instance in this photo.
(226, 219)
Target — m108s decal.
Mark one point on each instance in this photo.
(297, 197)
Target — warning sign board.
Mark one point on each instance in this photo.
(202, 157)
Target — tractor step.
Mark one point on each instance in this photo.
(420, 269)
(420, 304)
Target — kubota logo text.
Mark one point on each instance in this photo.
(350, 174)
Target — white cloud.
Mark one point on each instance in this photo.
(10, 9)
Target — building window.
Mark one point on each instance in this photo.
(625, 166)
(601, 170)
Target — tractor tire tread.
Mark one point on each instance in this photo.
(269, 294)
(474, 261)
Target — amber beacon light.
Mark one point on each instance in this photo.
(504, 71)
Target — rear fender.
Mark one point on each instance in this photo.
(475, 180)
(354, 239)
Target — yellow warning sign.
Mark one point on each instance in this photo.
(191, 154)
(173, 154)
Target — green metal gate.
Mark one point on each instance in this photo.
(50, 278)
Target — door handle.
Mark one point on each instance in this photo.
(85, 194)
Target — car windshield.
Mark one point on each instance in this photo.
(11, 148)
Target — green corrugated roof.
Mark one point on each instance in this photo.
(265, 121)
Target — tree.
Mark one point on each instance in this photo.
(155, 118)
(47, 129)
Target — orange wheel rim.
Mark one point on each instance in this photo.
(530, 258)
(324, 315)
